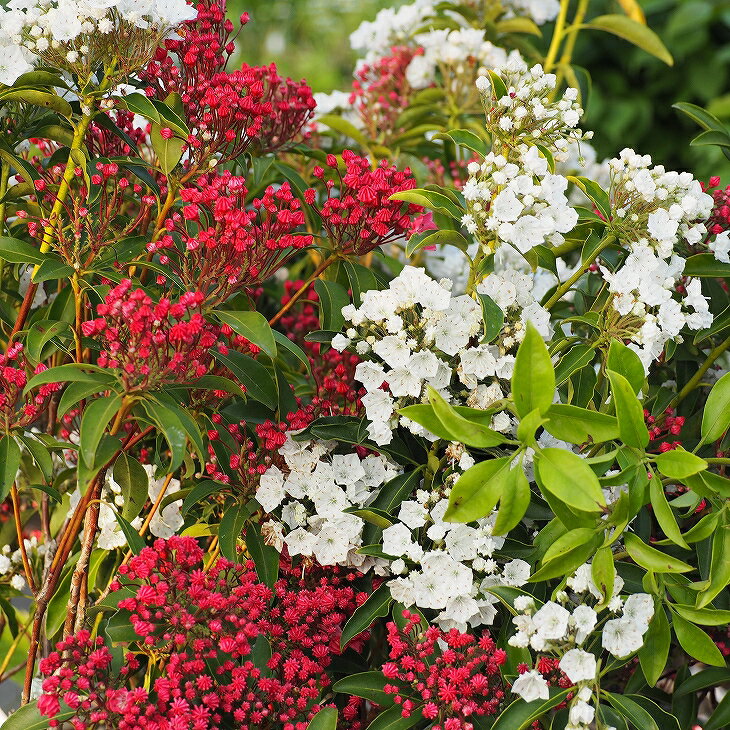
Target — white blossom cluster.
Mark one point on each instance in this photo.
(526, 113)
(458, 567)
(541, 11)
(457, 49)
(30, 27)
(164, 523)
(554, 628)
(656, 207)
(581, 159)
(11, 563)
(520, 203)
(307, 502)
(413, 335)
(720, 246)
(643, 289)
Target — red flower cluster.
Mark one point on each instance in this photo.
(447, 687)
(226, 112)
(362, 216)
(333, 372)
(667, 426)
(719, 220)
(226, 246)
(380, 91)
(13, 380)
(152, 343)
(234, 658)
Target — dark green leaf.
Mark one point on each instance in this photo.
(696, 642)
(253, 326)
(654, 653)
(629, 412)
(325, 719)
(9, 463)
(332, 298)
(94, 421)
(376, 606)
(260, 386)
(132, 478)
(265, 557)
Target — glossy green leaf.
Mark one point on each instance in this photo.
(132, 478)
(325, 719)
(533, 378)
(705, 264)
(578, 425)
(652, 559)
(253, 326)
(663, 513)
(720, 718)
(573, 360)
(596, 193)
(231, 528)
(431, 200)
(168, 150)
(72, 373)
(603, 572)
(133, 538)
(465, 138)
(435, 238)
(567, 553)
(265, 557)
(716, 416)
(377, 606)
(719, 577)
(624, 360)
(513, 503)
(51, 269)
(259, 384)
(478, 490)
(332, 298)
(171, 428)
(16, 251)
(634, 32)
(29, 718)
(97, 415)
(679, 464)
(633, 712)
(392, 719)
(567, 476)
(629, 411)
(9, 463)
(654, 654)
(368, 685)
(520, 714)
(697, 643)
(492, 316)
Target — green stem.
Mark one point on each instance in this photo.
(694, 381)
(4, 178)
(557, 38)
(567, 56)
(565, 287)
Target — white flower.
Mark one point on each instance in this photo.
(639, 608)
(551, 621)
(581, 714)
(4, 564)
(393, 350)
(720, 246)
(340, 342)
(516, 573)
(584, 621)
(621, 637)
(17, 582)
(578, 665)
(413, 514)
(531, 686)
(270, 492)
(300, 542)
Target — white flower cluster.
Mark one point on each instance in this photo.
(521, 204)
(720, 246)
(164, 523)
(454, 575)
(526, 113)
(28, 27)
(390, 27)
(307, 503)
(541, 11)
(458, 49)
(656, 207)
(581, 159)
(413, 335)
(11, 563)
(643, 289)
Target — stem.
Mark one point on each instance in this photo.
(557, 38)
(4, 178)
(21, 543)
(693, 382)
(566, 287)
(567, 56)
(324, 265)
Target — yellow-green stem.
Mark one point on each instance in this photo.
(552, 53)
(694, 381)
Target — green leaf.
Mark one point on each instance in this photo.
(697, 643)
(425, 415)
(325, 719)
(41, 333)
(230, 529)
(29, 718)
(633, 712)
(567, 553)
(15, 251)
(679, 464)
(568, 477)
(52, 268)
(40, 454)
(629, 412)
(595, 192)
(97, 415)
(513, 503)
(498, 86)
(492, 316)
(478, 490)
(719, 576)
(377, 605)
(711, 137)
(434, 238)
(332, 298)
(76, 392)
(603, 572)
(392, 719)
(716, 416)
(624, 360)
(393, 492)
(9, 463)
(168, 151)
(156, 111)
(132, 478)
(633, 32)
(520, 714)
(368, 685)
(171, 428)
(652, 559)
(705, 264)
(703, 616)
(72, 372)
(699, 115)
(533, 378)
(654, 653)
(574, 359)
(134, 539)
(199, 492)
(432, 200)
(259, 384)
(286, 344)
(518, 25)
(338, 124)
(460, 428)
(702, 680)
(465, 138)
(253, 326)
(578, 425)
(663, 513)
(38, 98)
(265, 557)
